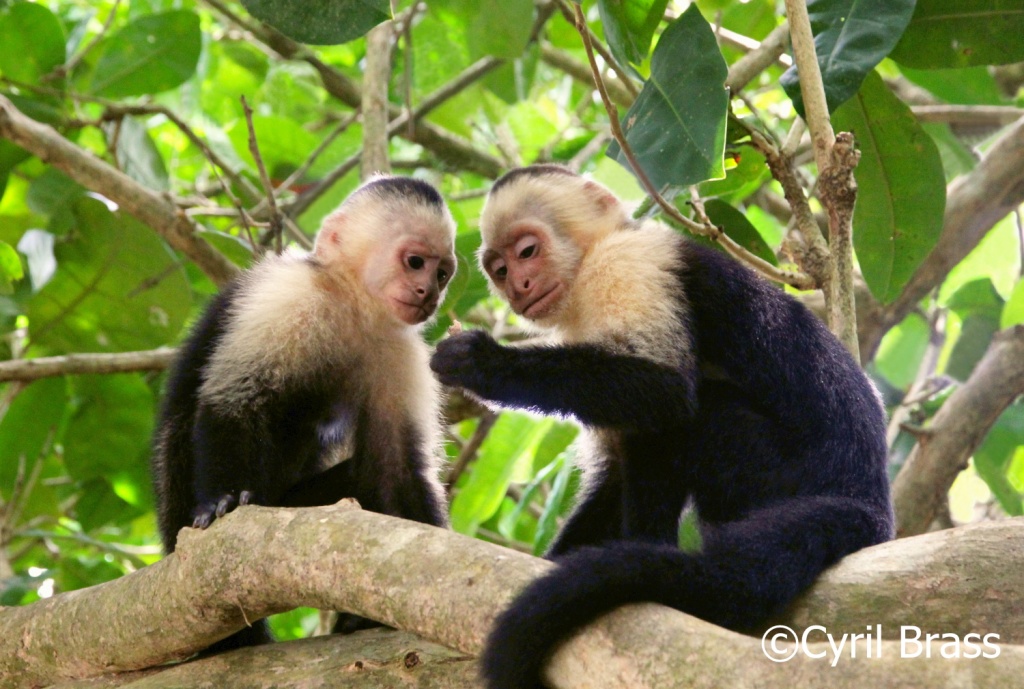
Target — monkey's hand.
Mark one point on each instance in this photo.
(206, 512)
(465, 360)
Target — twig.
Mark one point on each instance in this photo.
(73, 364)
(990, 115)
(276, 223)
(69, 66)
(468, 452)
(772, 50)
(789, 277)
(811, 86)
(571, 15)
(145, 204)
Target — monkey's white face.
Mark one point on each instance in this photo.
(524, 265)
(408, 274)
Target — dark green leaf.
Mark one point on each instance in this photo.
(850, 38)
(152, 54)
(902, 189)
(512, 81)
(962, 33)
(629, 26)
(966, 86)
(52, 191)
(118, 288)
(979, 306)
(738, 228)
(746, 176)
(557, 505)
(30, 427)
(1013, 310)
(99, 506)
(956, 158)
(321, 22)
(676, 127)
(31, 42)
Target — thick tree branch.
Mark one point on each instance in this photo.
(956, 431)
(71, 364)
(376, 78)
(92, 173)
(449, 588)
(975, 202)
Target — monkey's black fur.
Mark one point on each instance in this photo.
(772, 431)
(274, 451)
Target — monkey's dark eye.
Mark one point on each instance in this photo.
(501, 272)
(442, 276)
(415, 262)
(528, 251)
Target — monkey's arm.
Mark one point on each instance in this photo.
(598, 387)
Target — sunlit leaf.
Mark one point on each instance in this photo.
(995, 458)
(1013, 310)
(152, 54)
(31, 42)
(10, 268)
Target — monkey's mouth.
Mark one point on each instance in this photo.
(540, 306)
(414, 313)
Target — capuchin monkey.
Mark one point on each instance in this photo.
(698, 383)
(305, 354)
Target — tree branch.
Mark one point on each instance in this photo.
(85, 168)
(956, 431)
(770, 51)
(72, 364)
(376, 78)
(449, 588)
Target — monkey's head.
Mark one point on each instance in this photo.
(396, 236)
(537, 225)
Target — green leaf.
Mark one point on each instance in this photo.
(118, 288)
(513, 439)
(741, 179)
(902, 189)
(994, 459)
(738, 228)
(556, 506)
(850, 38)
(961, 86)
(978, 306)
(137, 155)
(32, 42)
(962, 33)
(676, 127)
(629, 26)
(10, 268)
(111, 426)
(321, 22)
(283, 143)
(31, 424)
(152, 54)
(901, 350)
(1013, 310)
(492, 27)
(995, 258)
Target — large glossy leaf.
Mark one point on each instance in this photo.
(321, 22)
(31, 425)
(850, 38)
(902, 193)
(978, 306)
(513, 439)
(152, 54)
(31, 42)
(738, 228)
(117, 288)
(900, 352)
(629, 26)
(676, 127)
(962, 33)
(491, 27)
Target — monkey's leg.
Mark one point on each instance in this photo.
(657, 476)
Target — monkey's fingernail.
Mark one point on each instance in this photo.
(455, 328)
(245, 497)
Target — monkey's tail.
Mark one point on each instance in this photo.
(749, 569)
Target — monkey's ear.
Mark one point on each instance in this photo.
(329, 239)
(604, 199)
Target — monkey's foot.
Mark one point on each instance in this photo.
(206, 512)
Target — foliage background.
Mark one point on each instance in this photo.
(153, 87)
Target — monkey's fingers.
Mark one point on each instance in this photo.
(204, 516)
(225, 504)
(245, 497)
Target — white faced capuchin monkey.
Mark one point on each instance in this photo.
(304, 353)
(699, 383)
